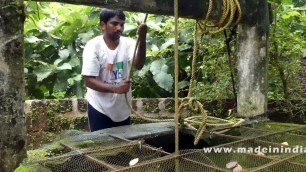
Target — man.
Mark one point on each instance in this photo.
(107, 60)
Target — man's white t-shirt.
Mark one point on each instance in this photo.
(111, 67)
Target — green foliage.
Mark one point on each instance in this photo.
(56, 33)
(54, 36)
(288, 47)
(158, 72)
(214, 81)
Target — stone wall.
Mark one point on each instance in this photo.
(46, 118)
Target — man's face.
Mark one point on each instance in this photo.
(113, 28)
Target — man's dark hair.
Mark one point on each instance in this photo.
(107, 14)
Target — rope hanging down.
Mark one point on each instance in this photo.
(176, 71)
(189, 106)
(189, 109)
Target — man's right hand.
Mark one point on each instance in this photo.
(142, 30)
(123, 87)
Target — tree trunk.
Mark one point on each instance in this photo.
(12, 118)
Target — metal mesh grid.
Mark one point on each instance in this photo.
(219, 160)
(245, 132)
(90, 152)
(172, 164)
(74, 163)
(274, 126)
(283, 166)
(300, 159)
(121, 157)
(286, 139)
(301, 132)
(214, 139)
(249, 146)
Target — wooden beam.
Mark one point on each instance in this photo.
(193, 9)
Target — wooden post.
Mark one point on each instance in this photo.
(12, 119)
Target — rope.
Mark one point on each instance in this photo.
(176, 73)
(129, 77)
(187, 113)
(136, 46)
(189, 104)
(142, 116)
(194, 61)
(230, 9)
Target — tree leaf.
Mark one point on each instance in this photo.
(144, 71)
(32, 39)
(43, 72)
(168, 43)
(25, 70)
(72, 80)
(183, 84)
(129, 27)
(304, 52)
(60, 86)
(290, 14)
(78, 77)
(64, 54)
(74, 61)
(158, 65)
(164, 80)
(85, 37)
(154, 48)
(184, 47)
(287, 2)
(65, 66)
(57, 61)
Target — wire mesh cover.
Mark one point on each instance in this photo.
(247, 161)
(89, 152)
(102, 160)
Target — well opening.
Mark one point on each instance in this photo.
(186, 140)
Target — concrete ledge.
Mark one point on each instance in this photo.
(132, 132)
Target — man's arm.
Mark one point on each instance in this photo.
(141, 50)
(96, 84)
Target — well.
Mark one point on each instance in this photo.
(149, 147)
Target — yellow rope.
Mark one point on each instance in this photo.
(194, 61)
(190, 105)
(230, 9)
(185, 113)
(176, 73)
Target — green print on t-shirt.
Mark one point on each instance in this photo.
(116, 71)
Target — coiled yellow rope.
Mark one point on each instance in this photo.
(230, 9)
